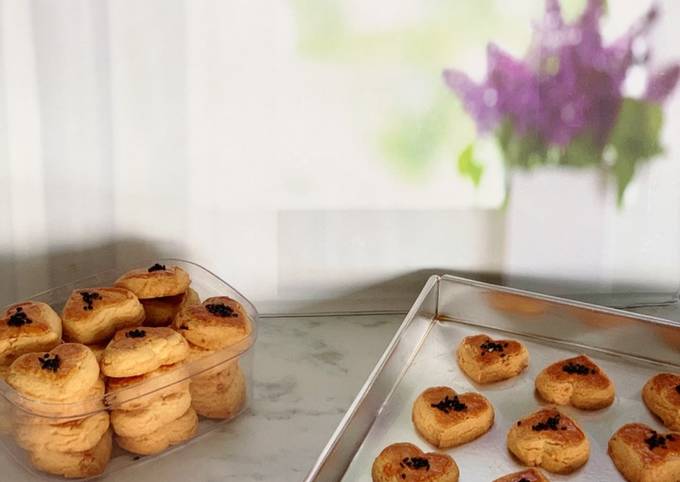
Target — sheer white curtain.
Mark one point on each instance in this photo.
(133, 129)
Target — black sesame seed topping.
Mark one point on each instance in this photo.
(655, 440)
(416, 463)
(156, 267)
(183, 327)
(677, 389)
(578, 369)
(220, 309)
(19, 318)
(491, 346)
(519, 423)
(523, 479)
(88, 299)
(135, 334)
(670, 437)
(550, 424)
(49, 362)
(448, 404)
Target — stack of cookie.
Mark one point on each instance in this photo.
(58, 443)
(147, 421)
(216, 324)
(163, 291)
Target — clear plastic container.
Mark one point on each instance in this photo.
(19, 411)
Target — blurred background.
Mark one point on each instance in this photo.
(312, 153)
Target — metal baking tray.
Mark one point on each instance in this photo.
(629, 347)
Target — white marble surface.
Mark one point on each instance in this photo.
(307, 372)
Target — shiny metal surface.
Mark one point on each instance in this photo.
(630, 348)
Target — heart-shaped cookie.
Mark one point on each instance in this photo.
(64, 374)
(447, 419)
(643, 455)
(93, 315)
(27, 327)
(662, 396)
(142, 350)
(486, 360)
(576, 381)
(155, 281)
(216, 323)
(405, 462)
(549, 439)
(528, 475)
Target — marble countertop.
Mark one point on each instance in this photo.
(307, 372)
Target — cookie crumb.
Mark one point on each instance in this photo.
(19, 318)
(416, 463)
(50, 362)
(88, 299)
(655, 441)
(448, 404)
(550, 424)
(220, 309)
(578, 369)
(135, 334)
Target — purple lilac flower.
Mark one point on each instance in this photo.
(569, 83)
(661, 83)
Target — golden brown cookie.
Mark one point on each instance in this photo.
(221, 395)
(576, 381)
(75, 465)
(643, 455)
(162, 311)
(406, 462)
(133, 393)
(97, 351)
(93, 315)
(662, 396)
(64, 374)
(173, 433)
(216, 323)
(550, 440)
(30, 411)
(204, 363)
(142, 350)
(157, 281)
(447, 419)
(486, 360)
(75, 436)
(27, 327)
(135, 423)
(527, 475)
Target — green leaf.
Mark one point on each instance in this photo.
(469, 167)
(581, 151)
(634, 139)
(524, 151)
